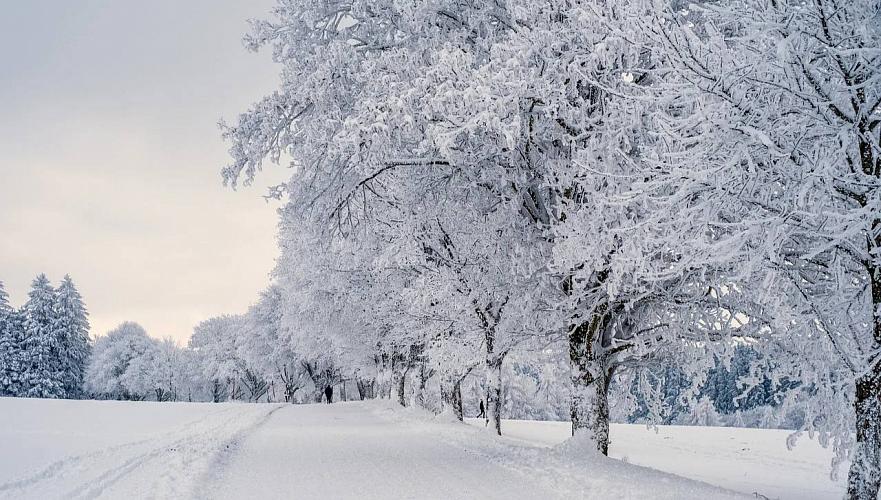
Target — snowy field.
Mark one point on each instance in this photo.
(747, 460)
(109, 449)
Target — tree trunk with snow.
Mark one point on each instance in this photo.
(384, 378)
(365, 388)
(590, 404)
(864, 477)
(451, 396)
(494, 392)
(235, 392)
(400, 377)
(424, 375)
(591, 375)
(216, 391)
(489, 317)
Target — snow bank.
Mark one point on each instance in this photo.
(746, 460)
(570, 474)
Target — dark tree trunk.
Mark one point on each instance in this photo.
(864, 477)
(451, 396)
(291, 384)
(235, 392)
(457, 400)
(590, 404)
(423, 381)
(591, 375)
(365, 388)
(489, 318)
(494, 393)
(216, 391)
(400, 379)
(385, 377)
(289, 393)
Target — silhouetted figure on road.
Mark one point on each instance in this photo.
(328, 394)
(482, 413)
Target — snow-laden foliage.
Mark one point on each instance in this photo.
(452, 160)
(44, 346)
(634, 183)
(128, 364)
(11, 360)
(73, 326)
(41, 343)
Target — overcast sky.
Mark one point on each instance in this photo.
(111, 157)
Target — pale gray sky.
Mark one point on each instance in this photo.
(111, 157)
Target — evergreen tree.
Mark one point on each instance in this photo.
(72, 326)
(41, 345)
(10, 341)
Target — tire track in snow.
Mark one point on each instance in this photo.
(59, 467)
(220, 462)
(160, 467)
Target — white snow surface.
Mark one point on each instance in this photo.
(752, 461)
(109, 449)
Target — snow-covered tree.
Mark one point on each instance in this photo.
(119, 367)
(467, 140)
(42, 344)
(784, 101)
(11, 361)
(396, 171)
(638, 181)
(214, 341)
(267, 348)
(73, 330)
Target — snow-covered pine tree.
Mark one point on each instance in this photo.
(10, 347)
(73, 331)
(41, 344)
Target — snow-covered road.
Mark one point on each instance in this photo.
(376, 450)
(343, 451)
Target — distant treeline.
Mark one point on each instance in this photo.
(46, 352)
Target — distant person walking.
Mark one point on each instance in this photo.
(482, 413)
(328, 394)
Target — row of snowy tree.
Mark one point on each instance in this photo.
(245, 358)
(44, 345)
(619, 185)
(229, 358)
(128, 364)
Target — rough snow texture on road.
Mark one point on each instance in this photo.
(746, 460)
(111, 449)
(91, 449)
(376, 450)
(346, 451)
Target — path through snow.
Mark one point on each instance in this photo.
(376, 450)
(342, 451)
